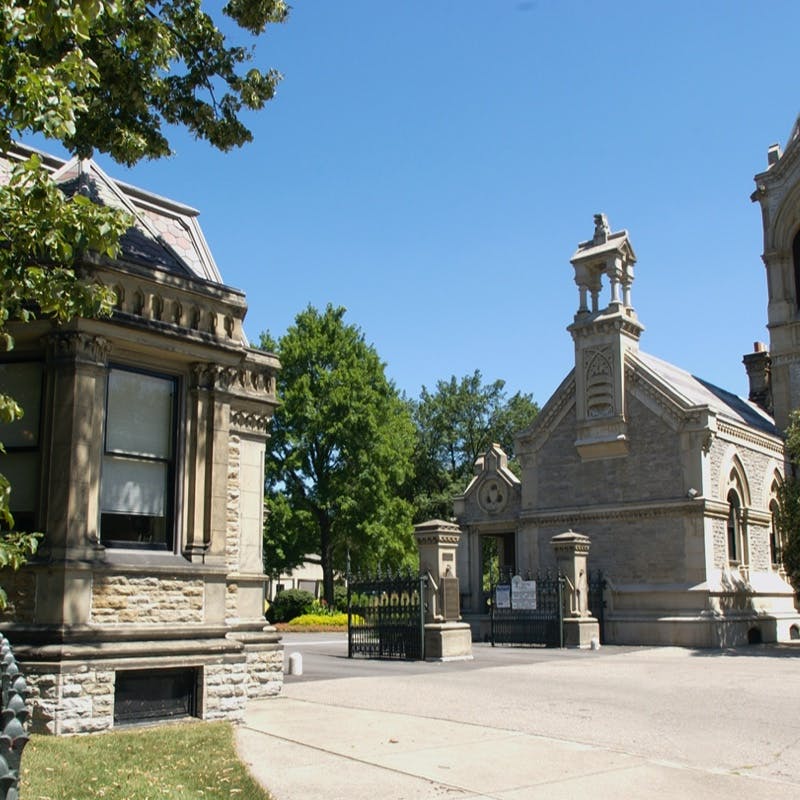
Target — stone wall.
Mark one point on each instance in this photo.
(71, 701)
(225, 691)
(146, 600)
(650, 471)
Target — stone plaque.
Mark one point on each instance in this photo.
(450, 599)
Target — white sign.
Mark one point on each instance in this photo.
(523, 594)
(502, 596)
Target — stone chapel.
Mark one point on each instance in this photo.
(141, 458)
(673, 479)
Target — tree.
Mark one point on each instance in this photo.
(341, 447)
(455, 424)
(104, 75)
(788, 516)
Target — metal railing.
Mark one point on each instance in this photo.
(13, 717)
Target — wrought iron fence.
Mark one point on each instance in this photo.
(528, 610)
(597, 602)
(14, 715)
(386, 616)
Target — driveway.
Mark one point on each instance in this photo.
(527, 723)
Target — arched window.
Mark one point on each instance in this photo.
(796, 260)
(774, 536)
(734, 528)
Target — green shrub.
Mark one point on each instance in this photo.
(340, 597)
(289, 604)
(310, 620)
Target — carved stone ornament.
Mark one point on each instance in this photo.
(493, 496)
(80, 347)
(238, 380)
(249, 422)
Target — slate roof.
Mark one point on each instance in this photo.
(164, 234)
(697, 392)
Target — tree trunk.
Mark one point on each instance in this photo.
(326, 559)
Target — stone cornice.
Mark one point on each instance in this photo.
(189, 307)
(558, 404)
(631, 511)
(740, 433)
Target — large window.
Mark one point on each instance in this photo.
(136, 490)
(734, 528)
(21, 462)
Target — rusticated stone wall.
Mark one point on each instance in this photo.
(80, 701)
(265, 671)
(151, 599)
(225, 691)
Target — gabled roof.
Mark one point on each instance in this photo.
(676, 387)
(694, 391)
(164, 234)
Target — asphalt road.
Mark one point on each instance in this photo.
(716, 723)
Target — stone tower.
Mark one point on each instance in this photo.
(778, 193)
(602, 336)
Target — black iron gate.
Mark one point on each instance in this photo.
(386, 617)
(528, 610)
(597, 602)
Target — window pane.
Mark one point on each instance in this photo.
(23, 382)
(139, 420)
(130, 486)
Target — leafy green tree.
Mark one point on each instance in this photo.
(104, 75)
(455, 424)
(340, 453)
(788, 516)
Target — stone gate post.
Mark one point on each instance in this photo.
(446, 637)
(571, 551)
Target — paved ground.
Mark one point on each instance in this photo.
(517, 723)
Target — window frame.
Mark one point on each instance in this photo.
(170, 499)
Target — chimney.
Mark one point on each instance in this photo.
(757, 365)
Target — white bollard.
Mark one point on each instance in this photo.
(296, 664)
(595, 643)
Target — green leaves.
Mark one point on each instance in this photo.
(455, 424)
(109, 76)
(43, 235)
(341, 450)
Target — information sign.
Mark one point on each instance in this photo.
(523, 594)
(502, 596)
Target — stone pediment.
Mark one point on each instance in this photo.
(493, 493)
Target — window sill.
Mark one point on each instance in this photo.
(126, 559)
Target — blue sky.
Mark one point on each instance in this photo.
(432, 166)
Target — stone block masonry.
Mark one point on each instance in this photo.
(119, 599)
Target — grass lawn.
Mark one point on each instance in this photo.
(169, 762)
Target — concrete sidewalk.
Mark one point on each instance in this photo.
(312, 750)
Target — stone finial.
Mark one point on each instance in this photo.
(601, 229)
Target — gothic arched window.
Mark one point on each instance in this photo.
(774, 535)
(796, 261)
(734, 527)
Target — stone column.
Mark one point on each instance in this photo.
(571, 551)
(446, 637)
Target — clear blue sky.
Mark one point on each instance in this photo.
(432, 165)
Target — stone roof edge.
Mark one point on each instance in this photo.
(776, 172)
(562, 399)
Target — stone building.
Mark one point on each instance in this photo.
(673, 479)
(140, 456)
